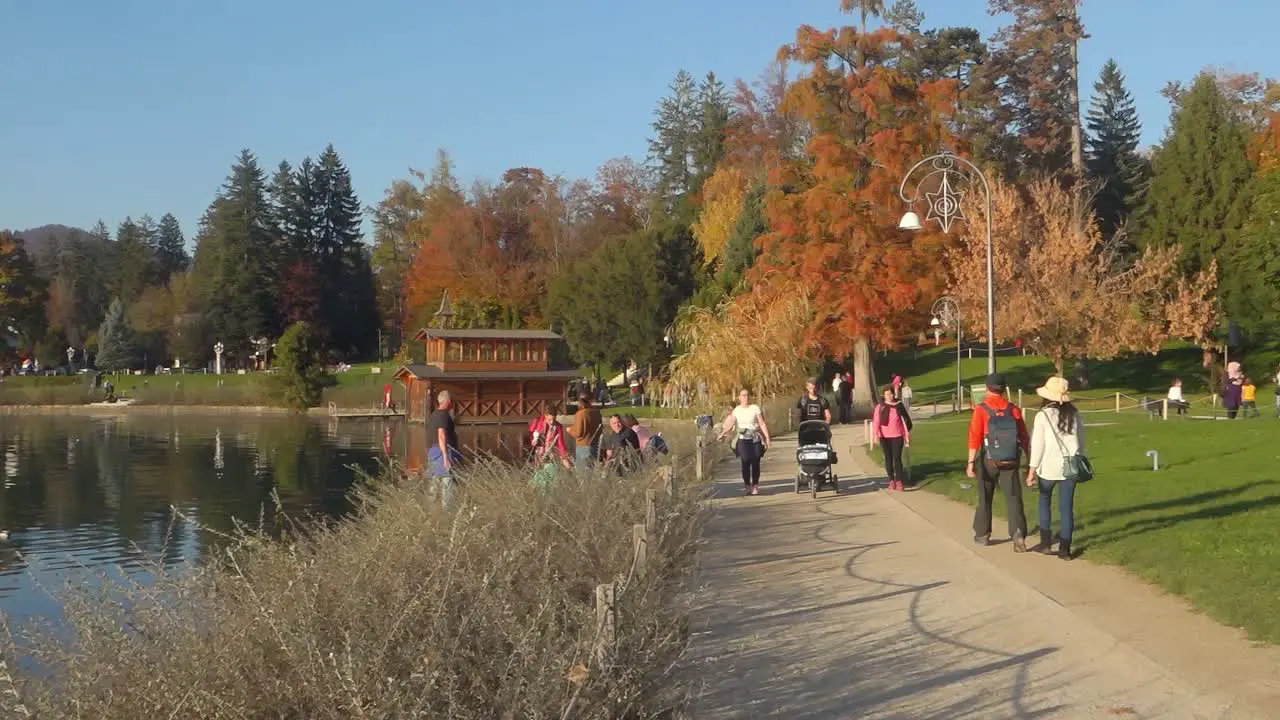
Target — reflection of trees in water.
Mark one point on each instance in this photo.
(123, 475)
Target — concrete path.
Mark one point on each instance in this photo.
(858, 606)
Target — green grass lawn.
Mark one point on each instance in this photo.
(356, 388)
(1206, 526)
(932, 371)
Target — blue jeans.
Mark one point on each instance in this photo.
(584, 456)
(1066, 506)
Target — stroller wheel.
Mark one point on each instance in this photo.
(797, 483)
(835, 484)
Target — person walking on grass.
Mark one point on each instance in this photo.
(585, 431)
(1057, 434)
(747, 419)
(891, 427)
(1232, 395)
(1249, 398)
(997, 439)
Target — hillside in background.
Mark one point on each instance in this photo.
(39, 239)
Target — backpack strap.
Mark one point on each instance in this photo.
(987, 409)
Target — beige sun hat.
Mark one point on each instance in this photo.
(1055, 390)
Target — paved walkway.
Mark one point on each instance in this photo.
(876, 605)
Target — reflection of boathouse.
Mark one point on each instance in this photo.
(492, 375)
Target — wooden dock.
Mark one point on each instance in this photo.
(370, 414)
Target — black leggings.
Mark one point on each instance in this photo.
(893, 468)
(749, 453)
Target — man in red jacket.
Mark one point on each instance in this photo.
(997, 441)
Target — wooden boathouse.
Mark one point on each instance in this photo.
(493, 376)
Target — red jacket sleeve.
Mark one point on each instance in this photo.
(977, 429)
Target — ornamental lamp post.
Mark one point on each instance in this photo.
(217, 353)
(946, 314)
(945, 206)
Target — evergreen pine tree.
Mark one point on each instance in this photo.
(1201, 187)
(117, 347)
(349, 307)
(671, 148)
(136, 268)
(1250, 270)
(905, 17)
(239, 295)
(171, 247)
(713, 120)
(1115, 167)
(740, 252)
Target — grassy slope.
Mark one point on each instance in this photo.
(1207, 526)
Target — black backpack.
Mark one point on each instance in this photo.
(1002, 437)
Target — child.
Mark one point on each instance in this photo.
(1249, 398)
(1177, 402)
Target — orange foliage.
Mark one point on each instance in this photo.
(834, 217)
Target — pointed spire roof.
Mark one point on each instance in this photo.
(445, 314)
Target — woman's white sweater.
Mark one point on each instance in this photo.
(1046, 454)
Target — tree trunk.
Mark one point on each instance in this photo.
(1077, 132)
(864, 377)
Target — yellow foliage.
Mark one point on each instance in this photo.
(1059, 287)
(756, 340)
(724, 194)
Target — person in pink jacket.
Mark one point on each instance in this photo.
(891, 426)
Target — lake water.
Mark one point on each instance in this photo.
(84, 495)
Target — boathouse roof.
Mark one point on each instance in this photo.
(485, 334)
(422, 371)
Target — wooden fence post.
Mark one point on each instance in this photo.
(1117, 402)
(650, 510)
(697, 457)
(606, 622)
(640, 543)
(1164, 409)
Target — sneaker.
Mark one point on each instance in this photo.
(746, 490)
(1019, 543)
(755, 489)
(982, 540)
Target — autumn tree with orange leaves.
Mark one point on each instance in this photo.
(1069, 294)
(834, 215)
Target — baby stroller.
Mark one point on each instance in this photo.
(816, 458)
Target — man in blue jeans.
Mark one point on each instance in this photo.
(442, 445)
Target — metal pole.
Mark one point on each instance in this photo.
(991, 286)
(959, 380)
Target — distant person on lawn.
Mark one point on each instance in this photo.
(1249, 398)
(1177, 402)
(997, 439)
(1057, 434)
(1233, 395)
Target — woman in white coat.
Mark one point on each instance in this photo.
(1058, 434)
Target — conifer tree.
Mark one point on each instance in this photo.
(171, 247)
(136, 267)
(349, 303)
(671, 148)
(1251, 268)
(713, 121)
(1201, 186)
(1118, 172)
(117, 346)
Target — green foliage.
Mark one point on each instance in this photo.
(117, 346)
(136, 263)
(1113, 162)
(1201, 188)
(171, 247)
(1251, 267)
(301, 378)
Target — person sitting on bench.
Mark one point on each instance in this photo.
(1176, 402)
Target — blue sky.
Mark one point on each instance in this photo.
(140, 106)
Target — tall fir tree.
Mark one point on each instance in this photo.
(1116, 169)
(136, 268)
(1251, 267)
(349, 305)
(1033, 69)
(238, 292)
(905, 17)
(675, 128)
(171, 247)
(713, 120)
(1202, 181)
(117, 346)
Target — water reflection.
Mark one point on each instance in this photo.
(85, 495)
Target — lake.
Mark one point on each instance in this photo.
(86, 495)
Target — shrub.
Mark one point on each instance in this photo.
(404, 611)
(302, 378)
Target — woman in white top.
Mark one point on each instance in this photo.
(752, 440)
(1176, 400)
(1058, 434)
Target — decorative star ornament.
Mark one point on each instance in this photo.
(945, 204)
